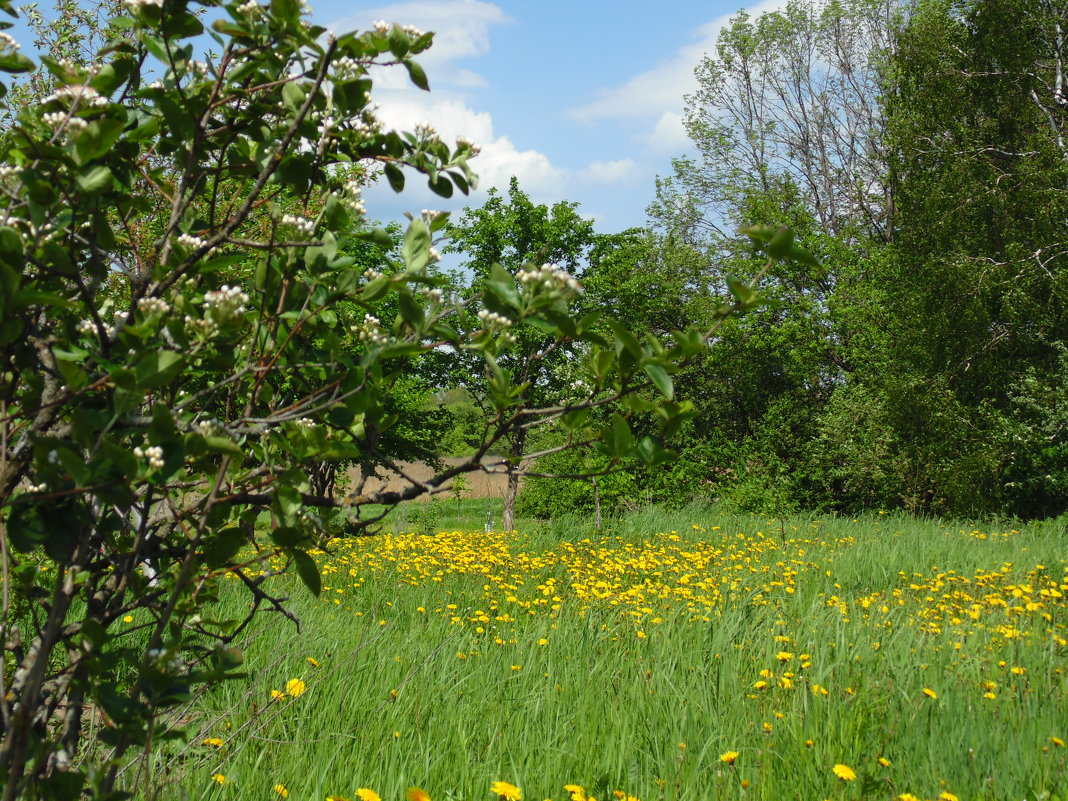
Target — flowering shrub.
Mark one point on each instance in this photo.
(186, 338)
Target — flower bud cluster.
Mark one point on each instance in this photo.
(153, 306)
(463, 141)
(190, 241)
(37, 487)
(381, 26)
(137, 5)
(494, 321)
(204, 327)
(425, 130)
(306, 423)
(87, 327)
(347, 67)
(302, 224)
(226, 300)
(62, 119)
(371, 331)
(7, 41)
(351, 198)
(154, 455)
(80, 94)
(7, 171)
(550, 278)
(208, 428)
(412, 31)
(251, 8)
(371, 274)
(433, 294)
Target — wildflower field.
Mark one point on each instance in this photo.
(711, 657)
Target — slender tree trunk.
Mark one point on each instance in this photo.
(596, 504)
(515, 459)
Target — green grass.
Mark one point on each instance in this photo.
(639, 692)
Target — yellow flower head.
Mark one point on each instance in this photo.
(295, 687)
(509, 792)
(218, 778)
(577, 793)
(929, 692)
(948, 796)
(313, 662)
(884, 762)
(281, 790)
(336, 798)
(367, 794)
(844, 772)
(214, 742)
(1057, 741)
(417, 794)
(730, 757)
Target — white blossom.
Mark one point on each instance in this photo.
(153, 305)
(153, 454)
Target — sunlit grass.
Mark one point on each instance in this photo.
(705, 657)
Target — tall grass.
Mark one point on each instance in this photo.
(635, 659)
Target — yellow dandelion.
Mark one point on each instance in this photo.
(929, 692)
(809, 743)
(1057, 741)
(218, 778)
(367, 794)
(907, 797)
(313, 662)
(844, 772)
(295, 687)
(760, 685)
(784, 656)
(276, 694)
(128, 619)
(884, 762)
(509, 792)
(281, 790)
(417, 794)
(730, 757)
(948, 796)
(336, 798)
(214, 742)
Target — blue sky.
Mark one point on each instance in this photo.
(581, 100)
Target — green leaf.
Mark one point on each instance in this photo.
(14, 61)
(158, 368)
(625, 340)
(620, 439)
(416, 249)
(292, 96)
(221, 548)
(395, 176)
(97, 138)
(308, 572)
(661, 379)
(743, 293)
(95, 180)
(417, 75)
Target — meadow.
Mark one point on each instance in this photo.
(686, 655)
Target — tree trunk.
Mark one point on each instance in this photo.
(515, 460)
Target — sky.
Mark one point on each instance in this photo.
(581, 100)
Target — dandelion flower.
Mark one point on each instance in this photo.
(509, 792)
(929, 692)
(336, 798)
(417, 794)
(907, 797)
(367, 794)
(844, 772)
(218, 778)
(128, 619)
(313, 662)
(295, 687)
(730, 757)
(948, 796)
(1057, 741)
(214, 742)
(884, 762)
(281, 790)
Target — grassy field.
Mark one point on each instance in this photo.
(683, 656)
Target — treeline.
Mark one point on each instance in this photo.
(919, 150)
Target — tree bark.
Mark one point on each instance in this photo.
(512, 491)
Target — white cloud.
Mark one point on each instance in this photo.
(610, 172)
(669, 135)
(651, 94)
